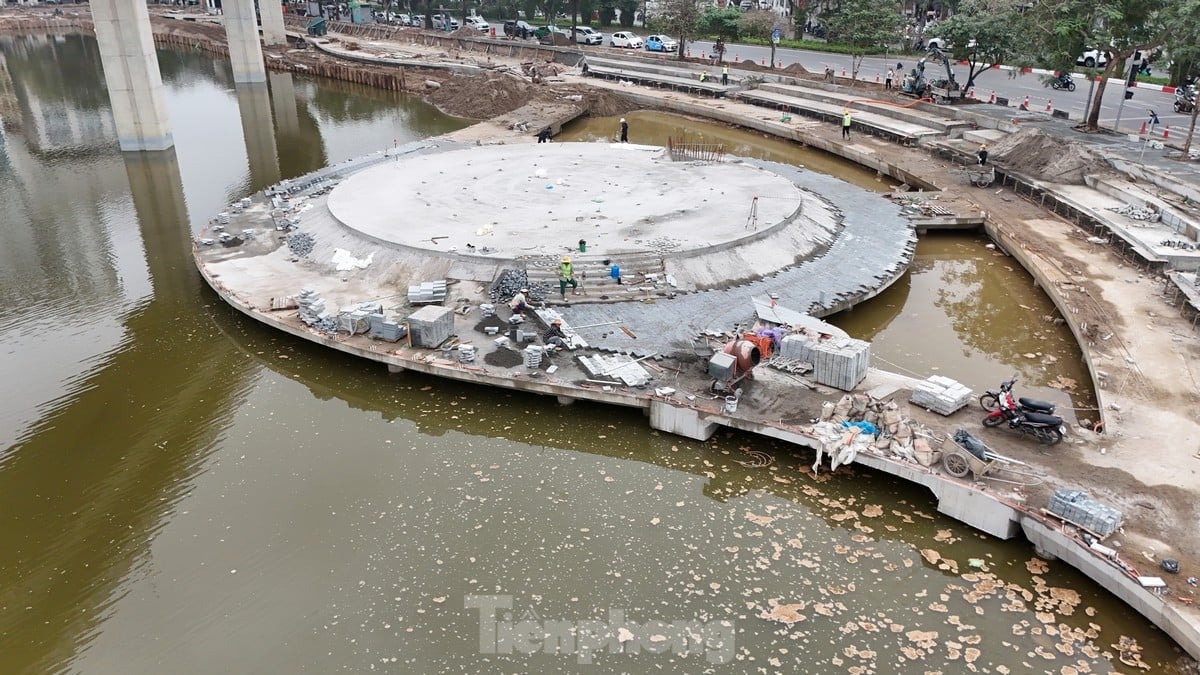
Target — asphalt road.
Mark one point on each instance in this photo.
(1036, 87)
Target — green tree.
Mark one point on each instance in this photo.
(863, 25)
(681, 18)
(985, 33)
(629, 9)
(1060, 29)
(759, 24)
(1182, 41)
(721, 23)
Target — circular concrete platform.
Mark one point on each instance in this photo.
(513, 201)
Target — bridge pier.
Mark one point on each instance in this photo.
(131, 72)
(245, 52)
(272, 22)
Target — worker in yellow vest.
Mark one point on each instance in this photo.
(566, 275)
(846, 124)
(725, 75)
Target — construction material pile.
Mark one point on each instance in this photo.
(941, 395)
(837, 362)
(858, 423)
(313, 312)
(511, 281)
(1037, 154)
(431, 325)
(427, 292)
(1077, 508)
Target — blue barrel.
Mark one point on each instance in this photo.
(615, 272)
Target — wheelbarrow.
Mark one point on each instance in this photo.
(958, 461)
(980, 176)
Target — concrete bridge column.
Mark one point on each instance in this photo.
(245, 52)
(271, 12)
(132, 75)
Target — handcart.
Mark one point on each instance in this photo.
(963, 454)
(980, 176)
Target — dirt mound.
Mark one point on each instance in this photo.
(479, 98)
(604, 103)
(1050, 158)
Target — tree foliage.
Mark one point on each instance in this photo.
(863, 25)
(759, 24)
(1061, 29)
(1181, 39)
(723, 23)
(985, 33)
(680, 18)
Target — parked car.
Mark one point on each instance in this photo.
(661, 43)
(439, 21)
(545, 34)
(1092, 58)
(586, 35)
(517, 28)
(478, 24)
(401, 20)
(417, 20)
(937, 43)
(627, 40)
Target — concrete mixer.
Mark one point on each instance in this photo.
(737, 361)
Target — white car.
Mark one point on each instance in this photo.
(627, 40)
(478, 24)
(937, 43)
(1092, 58)
(586, 35)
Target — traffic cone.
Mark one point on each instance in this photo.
(876, 78)
(1049, 107)
(1025, 105)
(971, 94)
(1166, 131)
(1143, 130)
(1016, 122)
(843, 72)
(992, 98)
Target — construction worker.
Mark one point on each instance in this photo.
(555, 336)
(566, 275)
(846, 123)
(725, 75)
(982, 155)
(518, 302)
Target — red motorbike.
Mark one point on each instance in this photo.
(1048, 429)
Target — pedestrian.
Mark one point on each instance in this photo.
(982, 154)
(887, 81)
(899, 67)
(544, 135)
(725, 75)
(518, 304)
(554, 336)
(846, 123)
(566, 275)
(1012, 73)
(624, 131)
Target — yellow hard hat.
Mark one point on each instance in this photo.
(566, 258)
(556, 322)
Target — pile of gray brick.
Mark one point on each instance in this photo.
(382, 329)
(941, 395)
(354, 322)
(431, 325)
(429, 292)
(840, 362)
(1077, 507)
(313, 312)
(618, 366)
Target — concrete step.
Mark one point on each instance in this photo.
(887, 126)
(854, 102)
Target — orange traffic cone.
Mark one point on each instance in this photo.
(992, 98)
(1049, 107)
(971, 94)
(1143, 130)
(1025, 105)
(1166, 131)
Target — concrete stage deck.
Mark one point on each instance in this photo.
(522, 200)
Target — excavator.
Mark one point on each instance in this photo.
(945, 90)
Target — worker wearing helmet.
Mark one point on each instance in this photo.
(566, 275)
(982, 154)
(519, 302)
(555, 336)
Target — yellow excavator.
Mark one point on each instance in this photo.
(945, 90)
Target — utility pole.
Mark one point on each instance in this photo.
(1125, 95)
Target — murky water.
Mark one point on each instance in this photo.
(186, 491)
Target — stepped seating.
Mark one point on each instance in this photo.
(656, 74)
(855, 101)
(903, 132)
(594, 276)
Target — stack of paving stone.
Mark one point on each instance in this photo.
(1078, 508)
(941, 395)
(312, 310)
(431, 325)
(429, 292)
(619, 366)
(836, 362)
(354, 321)
(382, 329)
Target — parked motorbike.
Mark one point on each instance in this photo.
(1185, 99)
(1048, 429)
(991, 400)
(1063, 81)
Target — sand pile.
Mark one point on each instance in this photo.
(479, 98)
(1045, 157)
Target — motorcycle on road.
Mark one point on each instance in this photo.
(1063, 81)
(1185, 99)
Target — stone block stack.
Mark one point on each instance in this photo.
(1077, 507)
(313, 312)
(431, 325)
(840, 362)
(941, 395)
(382, 329)
(429, 292)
